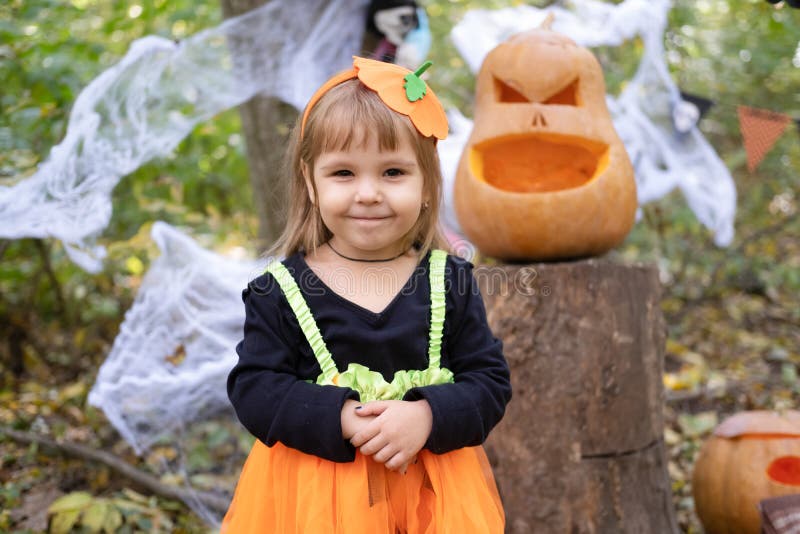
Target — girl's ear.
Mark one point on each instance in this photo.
(309, 182)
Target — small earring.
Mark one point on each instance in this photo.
(425, 205)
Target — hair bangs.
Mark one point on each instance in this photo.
(351, 115)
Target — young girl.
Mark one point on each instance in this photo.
(367, 370)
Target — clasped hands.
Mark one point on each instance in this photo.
(391, 432)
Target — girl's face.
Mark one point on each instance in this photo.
(369, 199)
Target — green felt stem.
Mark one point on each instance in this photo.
(423, 68)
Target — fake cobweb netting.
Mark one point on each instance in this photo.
(164, 379)
(163, 384)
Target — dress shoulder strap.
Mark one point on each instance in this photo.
(307, 323)
(436, 273)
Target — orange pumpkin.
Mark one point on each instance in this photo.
(750, 457)
(544, 174)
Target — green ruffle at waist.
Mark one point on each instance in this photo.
(372, 386)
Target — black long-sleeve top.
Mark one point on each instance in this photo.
(269, 386)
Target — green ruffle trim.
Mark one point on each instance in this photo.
(438, 261)
(307, 324)
(371, 385)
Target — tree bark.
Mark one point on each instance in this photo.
(266, 124)
(580, 449)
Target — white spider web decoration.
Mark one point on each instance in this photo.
(165, 375)
(189, 305)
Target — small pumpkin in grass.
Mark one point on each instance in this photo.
(544, 174)
(750, 457)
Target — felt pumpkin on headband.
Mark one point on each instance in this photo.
(750, 457)
(544, 174)
(401, 90)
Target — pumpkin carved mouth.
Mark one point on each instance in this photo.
(538, 162)
(785, 470)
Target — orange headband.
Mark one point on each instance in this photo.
(399, 88)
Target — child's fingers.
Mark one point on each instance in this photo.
(398, 462)
(372, 446)
(388, 452)
(372, 408)
(364, 435)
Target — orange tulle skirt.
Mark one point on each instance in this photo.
(285, 491)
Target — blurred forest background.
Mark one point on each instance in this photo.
(732, 313)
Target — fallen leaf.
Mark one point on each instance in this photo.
(77, 500)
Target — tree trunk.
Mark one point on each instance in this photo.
(580, 449)
(266, 123)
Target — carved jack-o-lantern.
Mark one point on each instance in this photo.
(751, 456)
(544, 174)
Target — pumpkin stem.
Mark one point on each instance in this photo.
(547, 23)
(423, 68)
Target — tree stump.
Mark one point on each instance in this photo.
(580, 449)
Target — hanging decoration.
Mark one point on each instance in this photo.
(793, 3)
(702, 103)
(401, 27)
(760, 130)
(688, 111)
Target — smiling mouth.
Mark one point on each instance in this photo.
(537, 163)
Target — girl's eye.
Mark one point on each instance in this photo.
(394, 172)
(343, 172)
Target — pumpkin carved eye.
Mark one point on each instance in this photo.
(507, 94)
(566, 96)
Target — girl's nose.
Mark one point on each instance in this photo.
(368, 192)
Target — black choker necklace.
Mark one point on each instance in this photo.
(365, 261)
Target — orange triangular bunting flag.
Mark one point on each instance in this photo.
(760, 130)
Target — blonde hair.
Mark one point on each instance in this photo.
(347, 114)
